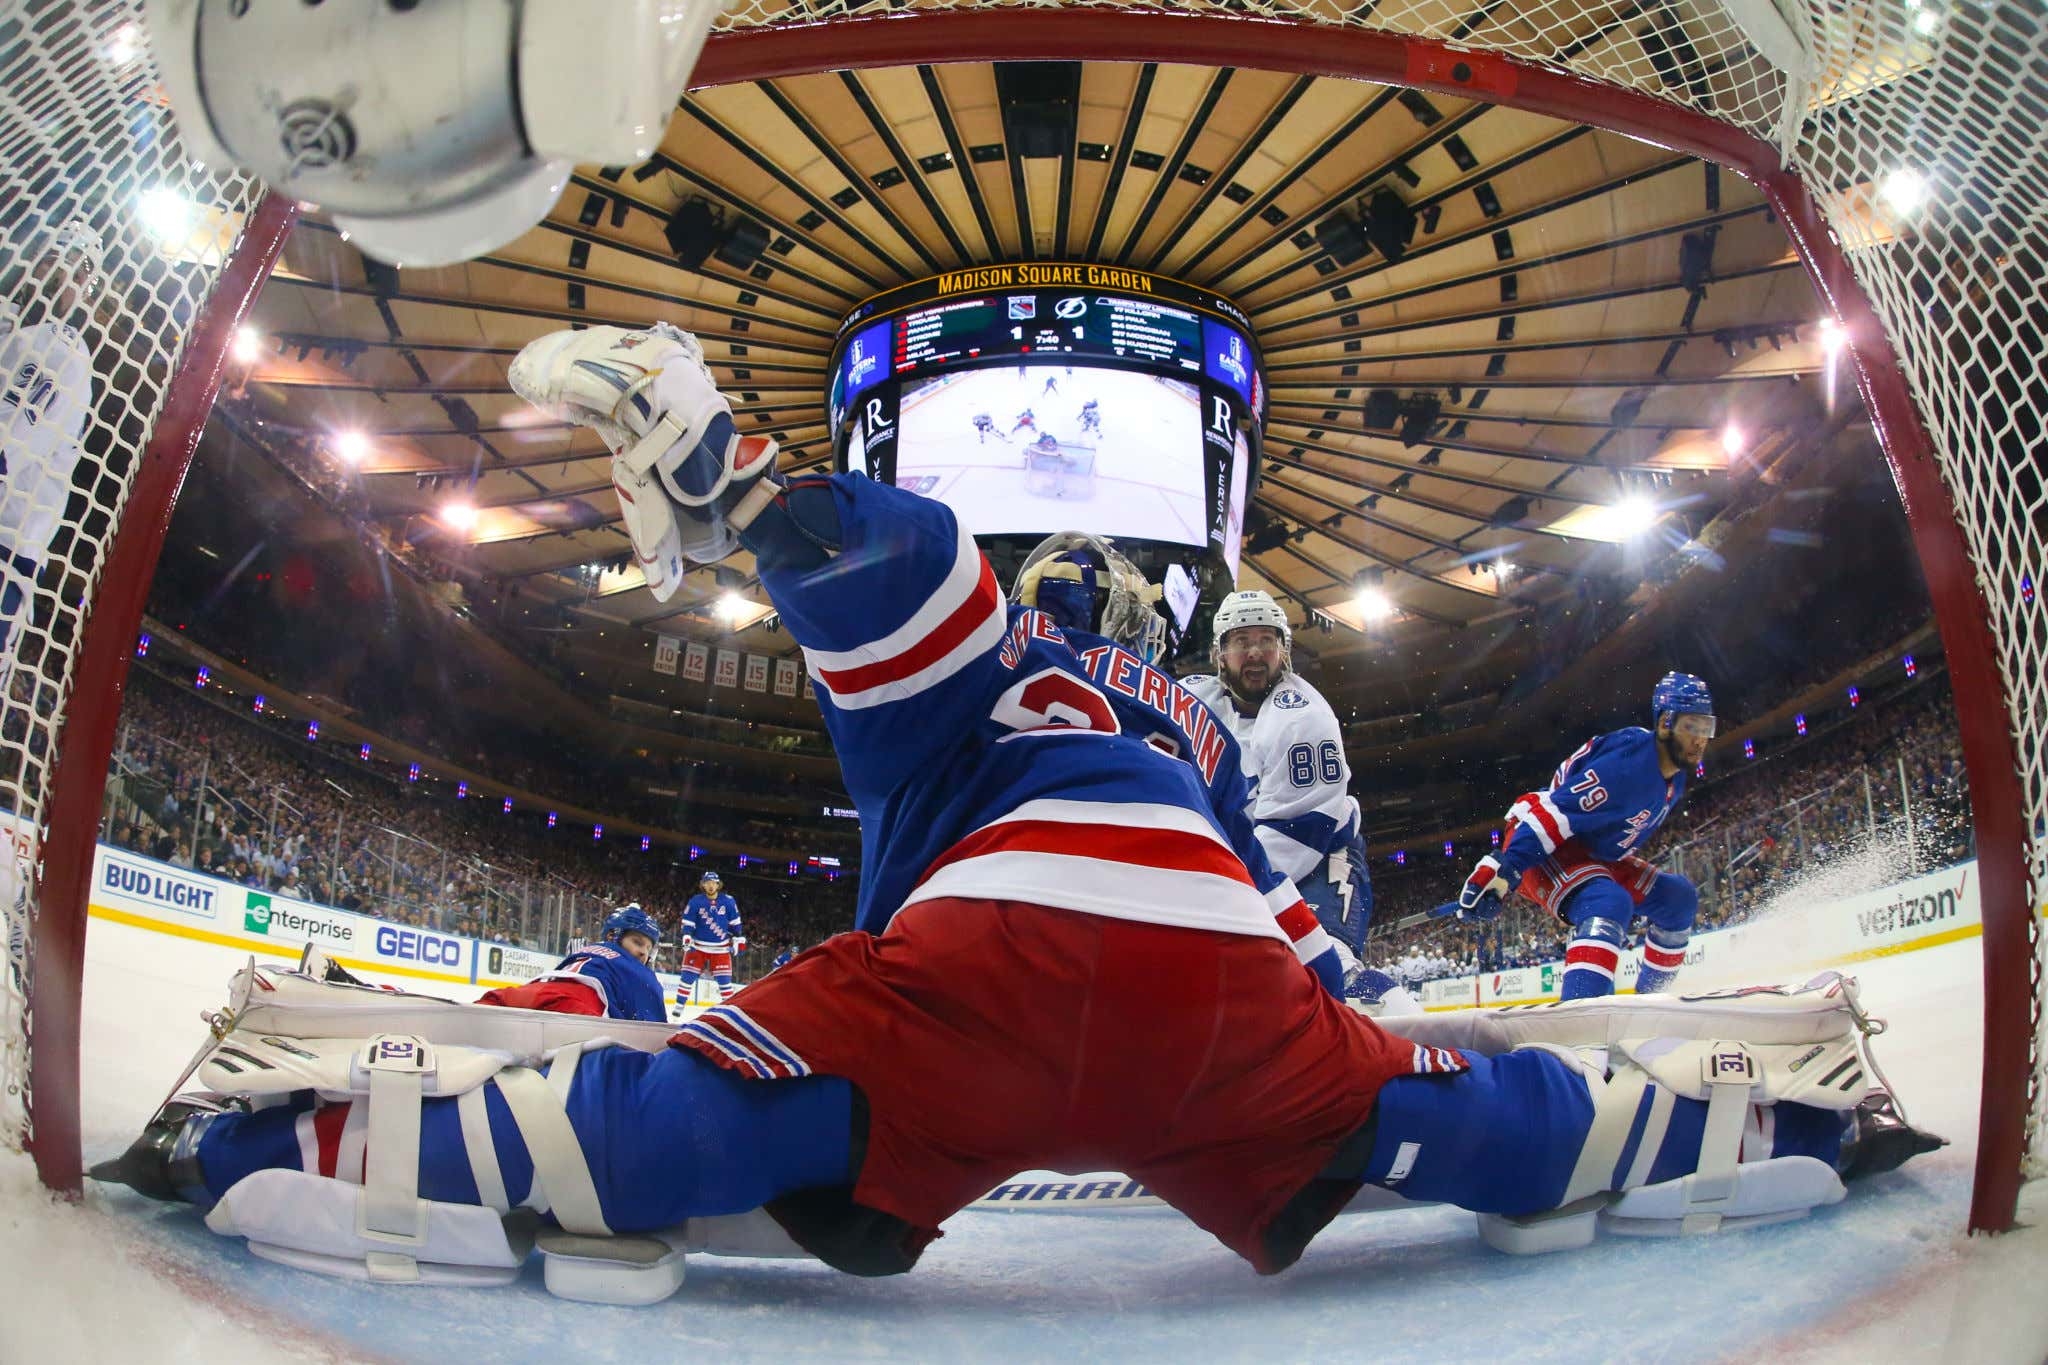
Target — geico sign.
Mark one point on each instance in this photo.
(410, 945)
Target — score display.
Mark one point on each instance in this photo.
(1080, 324)
(1040, 397)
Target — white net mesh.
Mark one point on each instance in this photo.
(110, 241)
(1917, 128)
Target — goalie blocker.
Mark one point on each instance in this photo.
(442, 1143)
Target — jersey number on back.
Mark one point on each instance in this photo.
(1055, 700)
(1308, 764)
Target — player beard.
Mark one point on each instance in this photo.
(1243, 691)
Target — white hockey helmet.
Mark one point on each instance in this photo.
(1252, 607)
(1083, 583)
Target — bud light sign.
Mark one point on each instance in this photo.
(416, 945)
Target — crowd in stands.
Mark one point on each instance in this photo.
(203, 787)
(1837, 803)
(214, 789)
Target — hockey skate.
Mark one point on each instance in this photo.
(163, 1163)
(1880, 1139)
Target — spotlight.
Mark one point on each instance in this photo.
(248, 345)
(166, 214)
(125, 45)
(1731, 440)
(1375, 605)
(459, 516)
(1632, 516)
(1904, 189)
(1832, 337)
(351, 446)
(732, 607)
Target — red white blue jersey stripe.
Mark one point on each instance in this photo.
(729, 1031)
(994, 756)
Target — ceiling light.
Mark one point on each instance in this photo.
(351, 446)
(1731, 440)
(1632, 516)
(459, 516)
(733, 607)
(1374, 604)
(126, 43)
(1832, 336)
(1904, 189)
(248, 345)
(166, 214)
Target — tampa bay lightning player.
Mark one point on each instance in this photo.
(1571, 847)
(1306, 819)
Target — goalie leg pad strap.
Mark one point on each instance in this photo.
(561, 1177)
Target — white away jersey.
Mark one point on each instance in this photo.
(1302, 807)
(45, 396)
(995, 756)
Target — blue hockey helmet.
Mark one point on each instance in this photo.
(1680, 694)
(710, 875)
(631, 919)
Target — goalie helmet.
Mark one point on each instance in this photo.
(1083, 583)
(631, 919)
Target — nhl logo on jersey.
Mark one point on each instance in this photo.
(1289, 700)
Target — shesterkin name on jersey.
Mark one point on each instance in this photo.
(1122, 672)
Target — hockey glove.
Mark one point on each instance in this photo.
(1485, 893)
(739, 945)
(688, 483)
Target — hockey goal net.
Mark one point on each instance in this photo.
(1899, 142)
(124, 271)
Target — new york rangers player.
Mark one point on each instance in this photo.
(711, 935)
(612, 977)
(1066, 955)
(1307, 820)
(46, 395)
(1572, 847)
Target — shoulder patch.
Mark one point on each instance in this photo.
(1287, 699)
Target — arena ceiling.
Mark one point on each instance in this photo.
(1592, 332)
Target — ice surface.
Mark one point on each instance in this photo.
(1886, 1276)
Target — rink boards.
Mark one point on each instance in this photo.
(1795, 934)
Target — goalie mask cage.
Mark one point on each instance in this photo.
(1843, 112)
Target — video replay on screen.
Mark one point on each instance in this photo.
(1016, 449)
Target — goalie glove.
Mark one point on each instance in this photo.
(1484, 895)
(688, 482)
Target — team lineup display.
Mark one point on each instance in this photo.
(1037, 397)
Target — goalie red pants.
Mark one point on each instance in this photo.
(992, 1037)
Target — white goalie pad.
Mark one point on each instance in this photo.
(285, 1003)
(1825, 1007)
(310, 1221)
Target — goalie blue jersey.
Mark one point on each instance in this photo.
(994, 756)
(1604, 802)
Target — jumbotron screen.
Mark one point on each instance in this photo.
(1036, 398)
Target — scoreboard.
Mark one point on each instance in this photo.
(1040, 396)
(1039, 312)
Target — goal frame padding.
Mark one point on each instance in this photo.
(85, 740)
(1997, 799)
